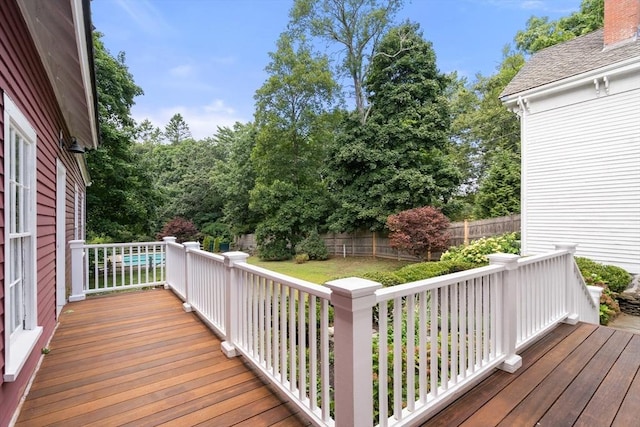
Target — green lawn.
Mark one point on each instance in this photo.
(334, 268)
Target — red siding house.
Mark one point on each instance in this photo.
(47, 102)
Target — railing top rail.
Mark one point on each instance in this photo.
(175, 245)
(412, 288)
(122, 245)
(542, 257)
(299, 284)
(206, 254)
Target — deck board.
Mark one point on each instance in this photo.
(583, 375)
(138, 359)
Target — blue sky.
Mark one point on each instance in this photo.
(205, 59)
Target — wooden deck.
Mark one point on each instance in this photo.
(138, 359)
(582, 375)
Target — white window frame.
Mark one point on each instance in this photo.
(20, 343)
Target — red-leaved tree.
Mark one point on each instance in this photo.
(183, 230)
(419, 231)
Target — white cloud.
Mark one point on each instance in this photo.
(146, 16)
(181, 71)
(533, 4)
(203, 120)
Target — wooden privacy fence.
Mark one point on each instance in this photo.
(371, 244)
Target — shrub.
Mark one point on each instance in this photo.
(207, 244)
(609, 307)
(616, 278)
(301, 258)
(476, 252)
(419, 231)
(183, 230)
(385, 278)
(274, 250)
(420, 271)
(218, 229)
(314, 247)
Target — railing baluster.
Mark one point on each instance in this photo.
(292, 340)
(411, 351)
(444, 338)
(302, 346)
(433, 351)
(397, 358)
(313, 353)
(324, 362)
(422, 379)
(383, 364)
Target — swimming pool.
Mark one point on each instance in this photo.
(142, 259)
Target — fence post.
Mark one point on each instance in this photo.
(188, 246)
(509, 309)
(465, 240)
(352, 300)
(231, 303)
(77, 270)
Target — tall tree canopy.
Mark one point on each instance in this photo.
(541, 32)
(177, 130)
(120, 201)
(396, 160)
(293, 127)
(355, 25)
(232, 179)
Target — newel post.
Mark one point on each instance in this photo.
(509, 309)
(188, 246)
(167, 259)
(571, 303)
(77, 270)
(231, 304)
(352, 300)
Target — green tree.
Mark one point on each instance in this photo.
(233, 178)
(481, 126)
(355, 25)
(147, 132)
(177, 130)
(292, 128)
(399, 158)
(499, 192)
(120, 202)
(541, 33)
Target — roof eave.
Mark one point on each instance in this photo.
(627, 65)
(52, 36)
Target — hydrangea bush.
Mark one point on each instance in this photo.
(476, 252)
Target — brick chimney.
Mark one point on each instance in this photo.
(621, 20)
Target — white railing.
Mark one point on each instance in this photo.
(421, 343)
(541, 295)
(283, 329)
(207, 293)
(119, 266)
(435, 336)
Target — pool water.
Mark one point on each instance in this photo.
(142, 259)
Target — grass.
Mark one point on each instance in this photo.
(323, 271)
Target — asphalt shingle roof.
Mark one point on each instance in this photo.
(577, 56)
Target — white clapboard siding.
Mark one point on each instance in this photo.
(581, 179)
